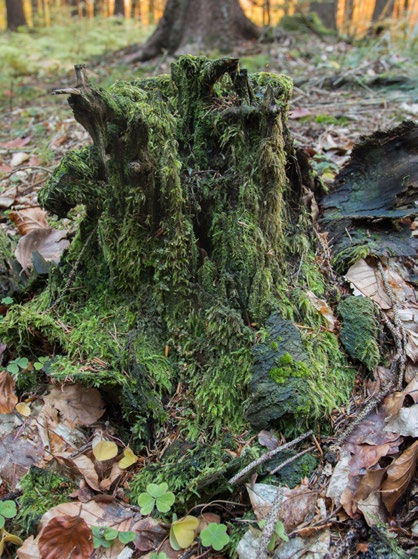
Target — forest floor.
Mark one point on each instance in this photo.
(342, 91)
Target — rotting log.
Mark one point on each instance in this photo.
(194, 247)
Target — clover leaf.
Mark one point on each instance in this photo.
(215, 535)
(156, 495)
(7, 510)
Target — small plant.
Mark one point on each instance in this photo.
(7, 511)
(160, 555)
(104, 536)
(40, 363)
(18, 364)
(279, 532)
(6, 301)
(156, 495)
(215, 535)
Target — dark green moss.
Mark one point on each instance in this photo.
(359, 333)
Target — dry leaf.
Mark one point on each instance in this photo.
(18, 158)
(48, 243)
(323, 308)
(23, 409)
(78, 405)
(367, 280)
(405, 423)
(105, 450)
(8, 398)
(129, 458)
(268, 439)
(66, 536)
(29, 219)
(83, 465)
(150, 534)
(399, 475)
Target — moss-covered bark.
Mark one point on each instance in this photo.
(193, 237)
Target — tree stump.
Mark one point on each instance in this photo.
(195, 246)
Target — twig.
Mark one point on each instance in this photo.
(24, 168)
(74, 269)
(267, 457)
(398, 330)
(291, 459)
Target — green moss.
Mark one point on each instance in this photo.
(41, 490)
(359, 333)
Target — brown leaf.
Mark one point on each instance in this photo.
(78, 405)
(29, 219)
(83, 465)
(399, 475)
(66, 536)
(8, 398)
(49, 243)
(150, 534)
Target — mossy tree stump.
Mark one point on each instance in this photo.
(193, 237)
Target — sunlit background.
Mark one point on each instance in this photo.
(353, 17)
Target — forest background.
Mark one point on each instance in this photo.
(350, 17)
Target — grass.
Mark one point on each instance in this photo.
(35, 59)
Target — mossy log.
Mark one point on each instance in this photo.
(194, 234)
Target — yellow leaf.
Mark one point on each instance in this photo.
(128, 459)
(183, 531)
(6, 537)
(23, 409)
(105, 450)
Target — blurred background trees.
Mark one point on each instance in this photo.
(350, 17)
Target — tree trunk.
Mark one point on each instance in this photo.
(15, 14)
(327, 12)
(198, 25)
(119, 8)
(383, 9)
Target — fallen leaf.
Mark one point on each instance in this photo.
(6, 537)
(17, 143)
(323, 308)
(77, 405)
(18, 158)
(405, 423)
(83, 465)
(129, 458)
(150, 534)
(369, 283)
(8, 398)
(105, 450)
(66, 536)
(399, 475)
(23, 409)
(183, 532)
(48, 243)
(268, 439)
(29, 219)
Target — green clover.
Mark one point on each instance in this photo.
(156, 495)
(215, 535)
(16, 365)
(7, 510)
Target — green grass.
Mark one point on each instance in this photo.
(39, 57)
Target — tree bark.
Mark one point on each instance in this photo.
(383, 9)
(198, 25)
(327, 12)
(15, 14)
